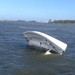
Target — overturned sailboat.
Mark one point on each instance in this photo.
(42, 40)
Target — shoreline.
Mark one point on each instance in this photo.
(37, 22)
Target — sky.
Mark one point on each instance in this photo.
(38, 10)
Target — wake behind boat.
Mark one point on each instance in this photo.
(44, 41)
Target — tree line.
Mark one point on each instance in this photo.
(62, 21)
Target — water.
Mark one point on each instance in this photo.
(16, 59)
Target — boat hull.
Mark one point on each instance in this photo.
(44, 41)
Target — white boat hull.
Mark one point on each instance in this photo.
(41, 40)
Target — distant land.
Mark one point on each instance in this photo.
(50, 21)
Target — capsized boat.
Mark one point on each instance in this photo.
(42, 40)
